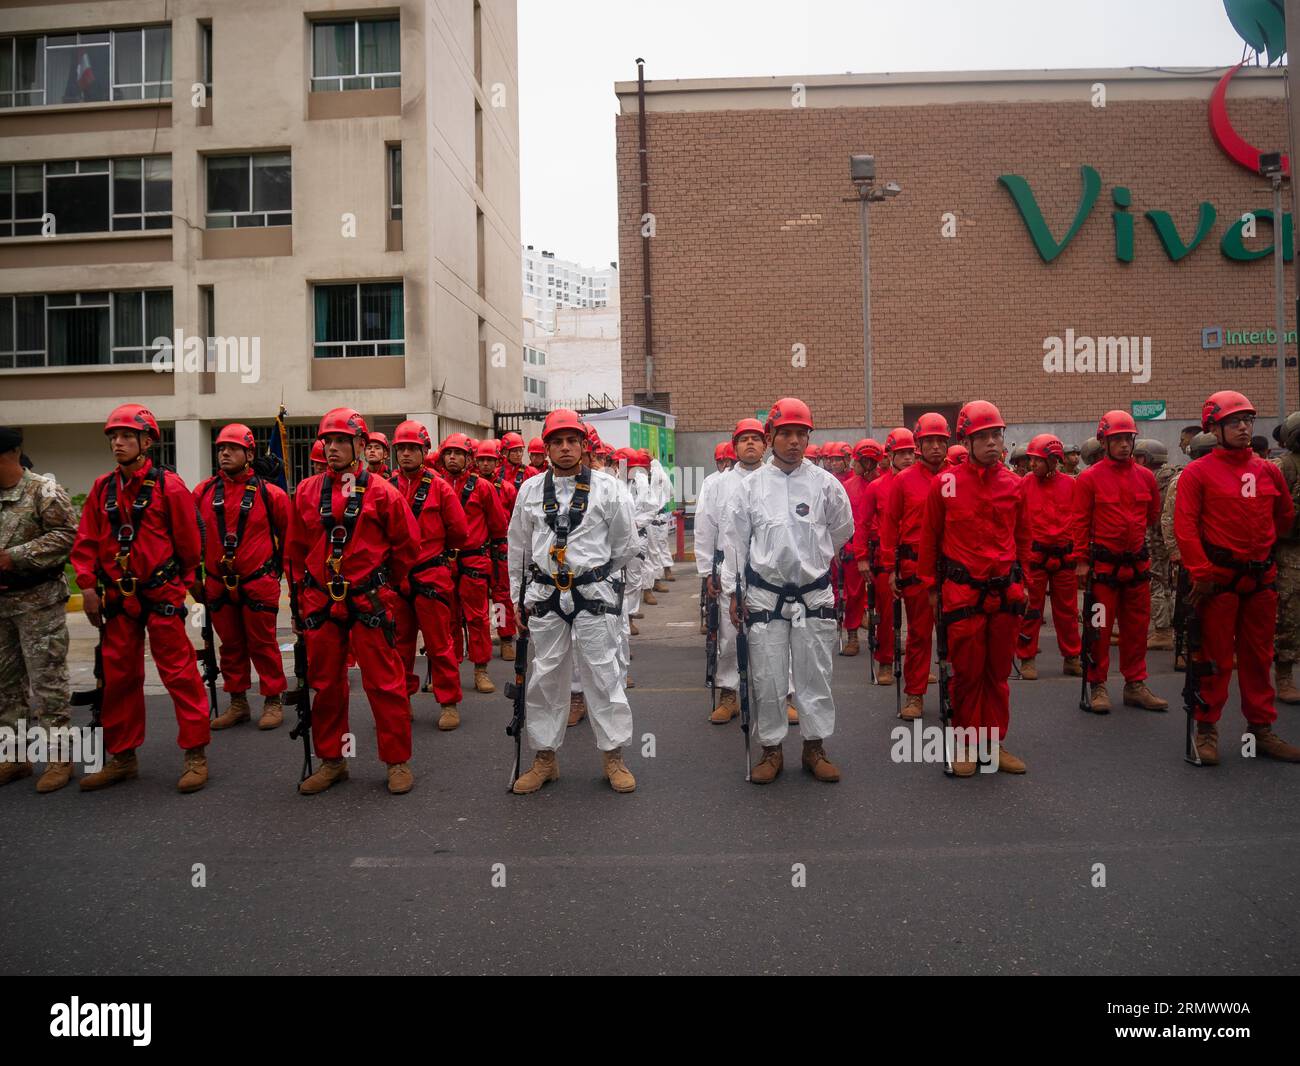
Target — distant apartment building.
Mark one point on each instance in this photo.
(555, 283)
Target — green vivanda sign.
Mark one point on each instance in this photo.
(1232, 244)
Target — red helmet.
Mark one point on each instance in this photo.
(1115, 422)
(486, 449)
(978, 415)
(593, 438)
(931, 425)
(536, 447)
(899, 440)
(1045, 445)
(510, 439)
(343, 420)
(869, 448)
(957, 454)
(379, 438)
(1222, 404)
(747, 425)
(133, 416)
(729, 451)
(237, 433)
(318, 451)
(562, 418)
(432, 458)
(473, 443)
(458, 441)
(813, 451)
(638, 457)
(720, 451)
(789, 412)
(841, 449)
(412, 432)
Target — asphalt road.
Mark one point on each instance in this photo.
(906, 871)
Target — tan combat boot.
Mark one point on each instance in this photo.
(14, 771)
(1136, 694)
(816, 763)
(544, 769)
(727, 709)
(121, 767)
(1028, 670)
(660, 585)
(482, 683)
(330, 773)
(913, 707)
(616, 772)
(400, 778)
(631, 627)
(1180, 663)
(1072, 666)
(1207, 743)
(668, 574)
(769, 766)
(449, 719)
(648, 596)
(508, 649)
(1099, 701)
(237, 712)
(196, 770)
(1272, 746)
(57, 774)
(1286, 690)
(577, 707)
(1008, 763)
(885, 674)
(272, 713)
(851, 646)
(1161, 640)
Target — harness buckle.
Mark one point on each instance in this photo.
(126, 585)
(333, 589)
(231, 581)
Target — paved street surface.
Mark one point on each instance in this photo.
(906, 871)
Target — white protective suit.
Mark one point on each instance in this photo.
(642, 571)
(712, 509)
(606, 533)
(788, 528)
(661, 528)
(575, 683)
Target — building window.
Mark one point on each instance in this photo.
(249, 190)
(93, 67)
(205, 52)
(356, 54)
(87, 195)
(363, 319)
(82, 328)
(164, 452)
(395, 182)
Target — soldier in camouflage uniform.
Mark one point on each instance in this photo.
(1155, 457)
(1287, 641)
(37, 528)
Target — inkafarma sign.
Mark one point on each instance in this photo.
(1178, 239)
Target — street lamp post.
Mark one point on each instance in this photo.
(1270, 166)
(862, 171)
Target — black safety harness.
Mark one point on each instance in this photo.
(564, 580)
(443, 558)
(124, 532)
(230, 579)
(986, 587)
(1120, 561)
(902, 553)
(787, 593)
(1242, 570)
(1053, 556)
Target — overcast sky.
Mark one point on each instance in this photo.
(572, 51)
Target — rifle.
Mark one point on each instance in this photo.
(873, 615)
(742, 666)
(302, 693)
(704, 602)
(207, 655)
(711, 640)
(517, 690)
(839, 604)
(1182, 587)
(1089, 633)
(945, 671)
(898, 639)
(1193, 701)
(94, 698)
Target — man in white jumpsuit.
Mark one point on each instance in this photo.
(646, 505)
(712, 508)
(571, 533)
(724, 458)
(788, 520)
(662, 526)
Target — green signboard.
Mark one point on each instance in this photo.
(1148, 410)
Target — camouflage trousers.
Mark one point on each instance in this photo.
(34, 667)
(1287, 641)
(1162, 592)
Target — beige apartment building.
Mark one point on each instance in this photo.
(317, 201)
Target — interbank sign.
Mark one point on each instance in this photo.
(1232, 244)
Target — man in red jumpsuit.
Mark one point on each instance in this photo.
(537, 455)
(377, 455)
(867, 454)
(1230, 508)
(1049, 503)
(974, 535)
(136, 554)
(490, 467)
(900, 450)
(513, 468)
(1115, 501)
(244, 522)
(318, 463)
(485, 521)
(425, 600)
(352, 539)
(900, 540)
(855, 585)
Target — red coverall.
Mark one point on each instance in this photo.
(900, 536)
(866, 545)
(1114, 503)
(855, 585)
(974, 517)
(485, 521)
(507, 492)
(384, 535)
(1049, 506)
(244, 616)
(1231, 508)
(166, 544)
(425, 603)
